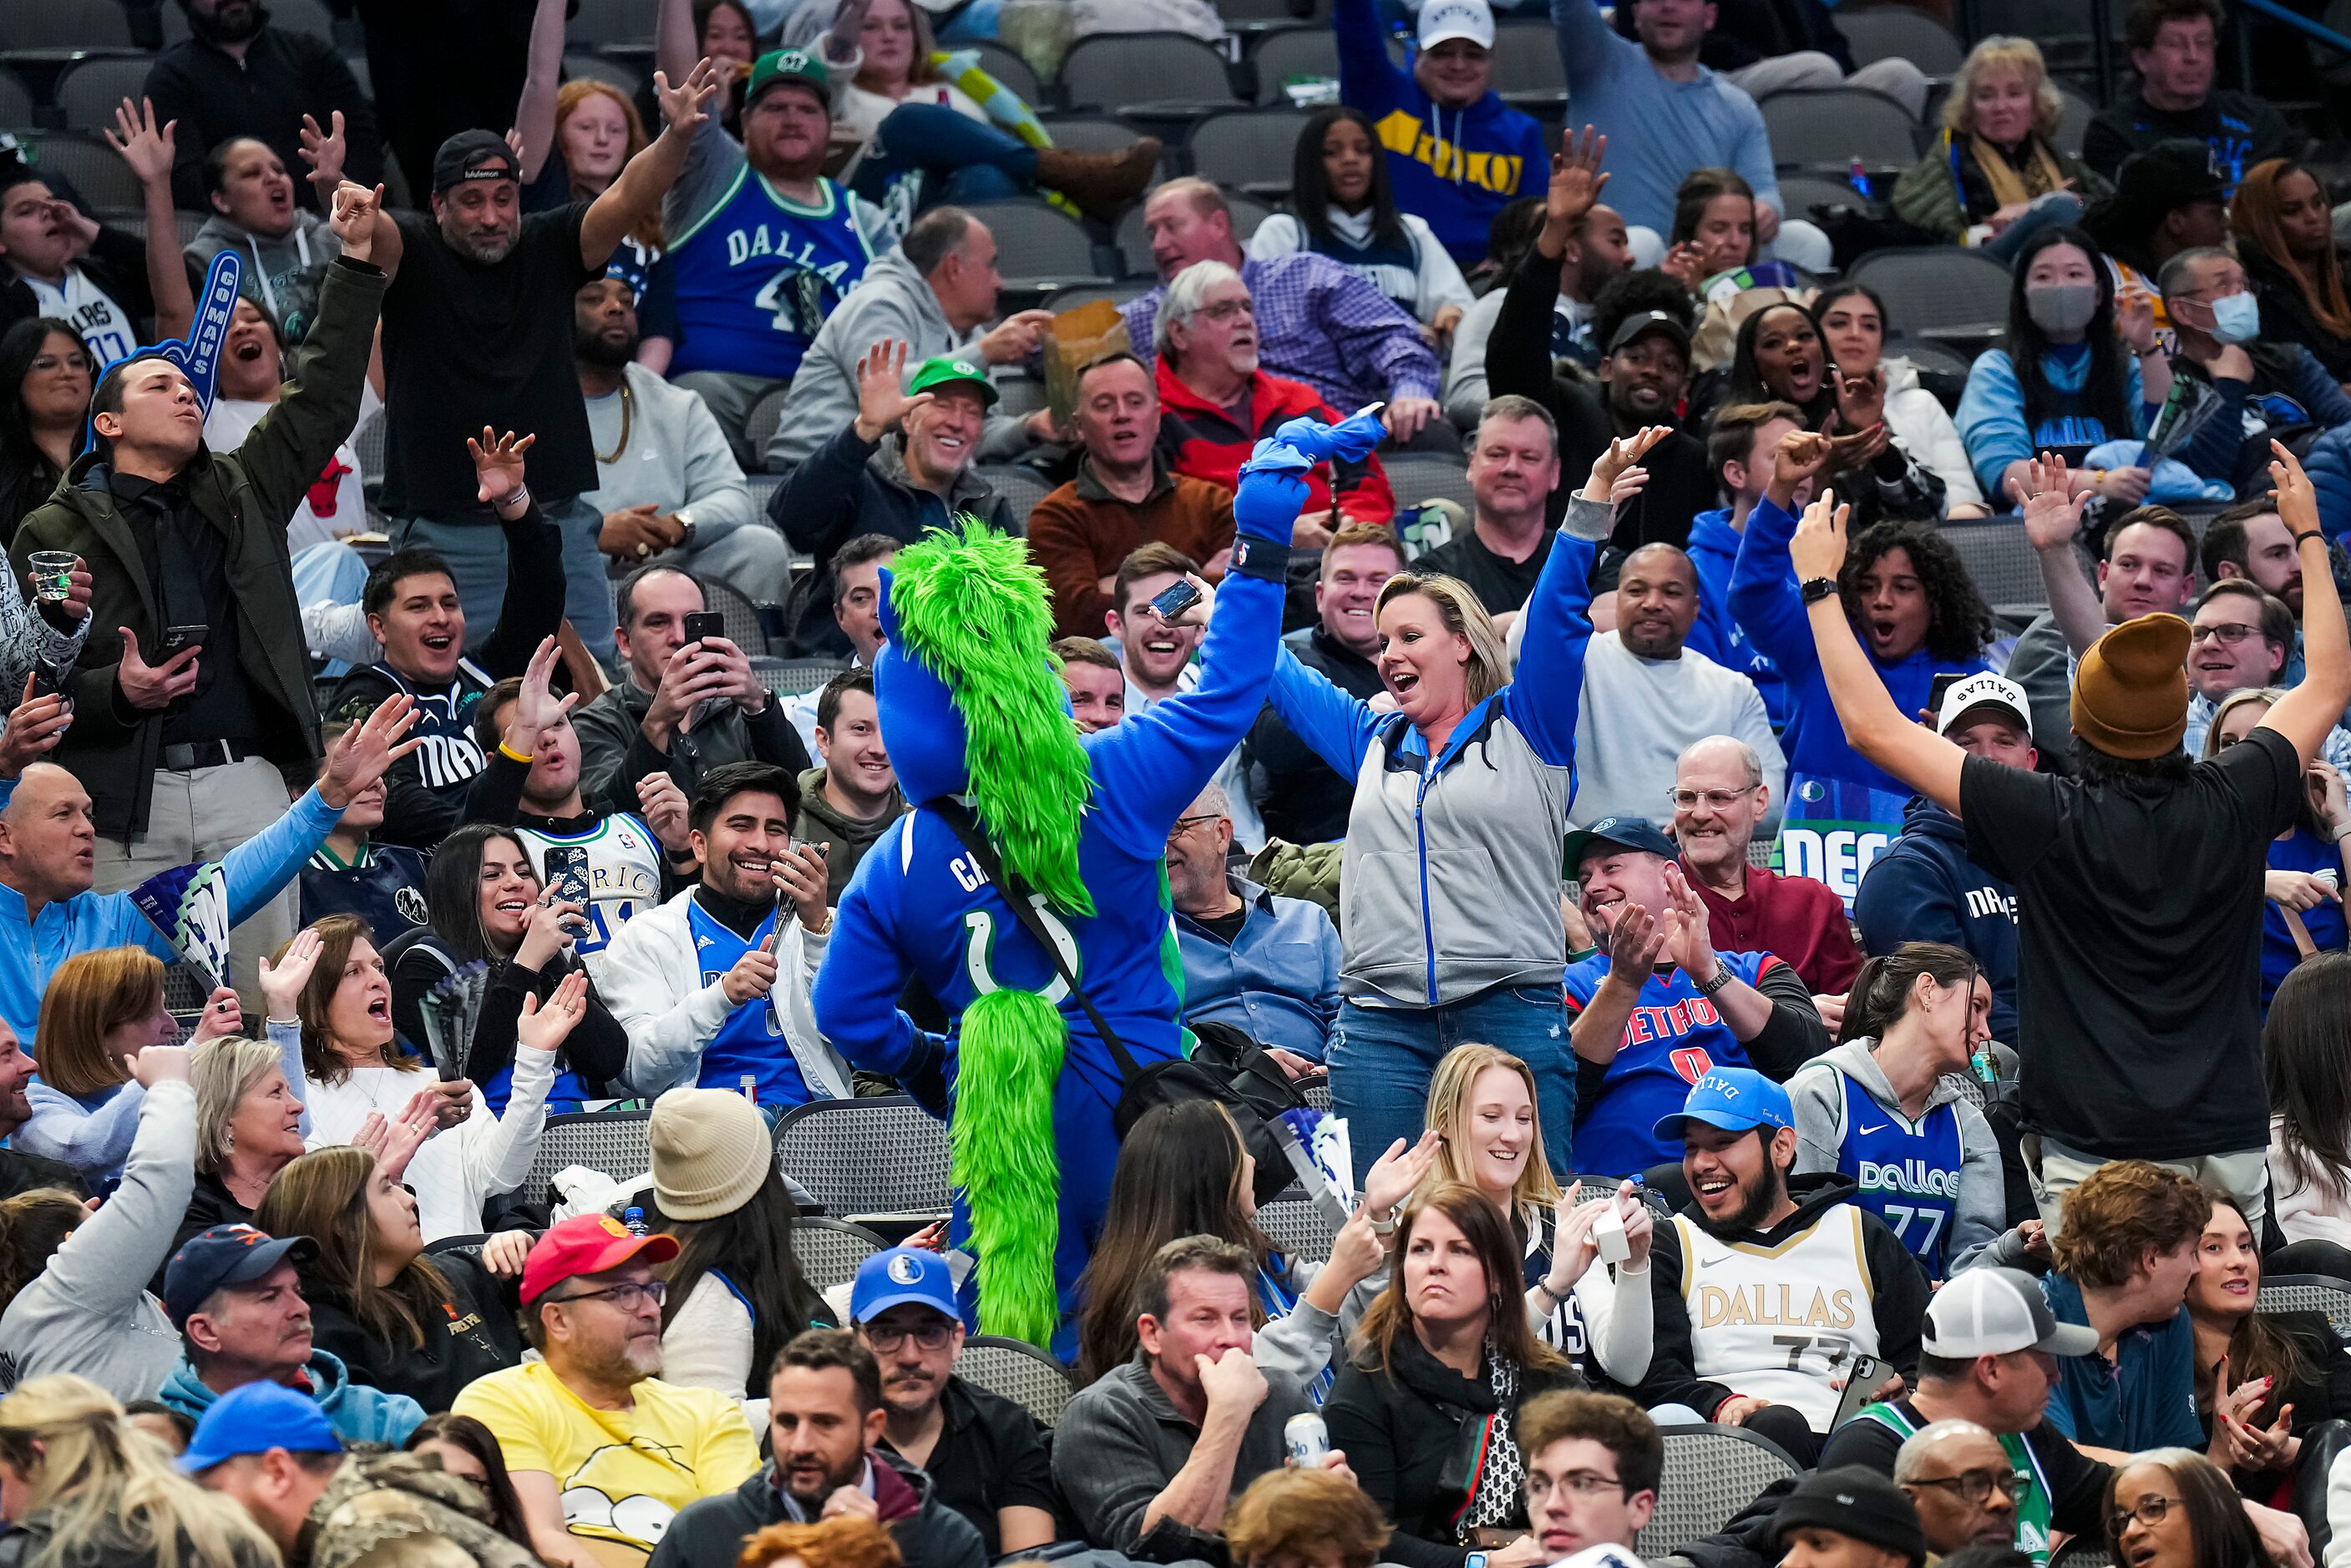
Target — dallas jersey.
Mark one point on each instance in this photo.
(1675, 1038)
(107, 329)
(758, 274)
(1908, 1172)
(624, 872)
(448, 757)
(751, 1043)
(1779, 1321)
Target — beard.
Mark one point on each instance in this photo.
(233, 22)
(604, 353)
(1756, 1202)
(847, 1476)
(484, 253)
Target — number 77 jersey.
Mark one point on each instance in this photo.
(1907, 1172)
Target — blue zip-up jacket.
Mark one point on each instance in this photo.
(1450, 883)
(2290, 389)
(358, 1413)
(31, 949)
(1714, 550)
(1924, 888)
(2328, 464)
(1841, 809)
(1455, 168)
(1991, 412)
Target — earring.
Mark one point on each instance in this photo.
(229, 1139)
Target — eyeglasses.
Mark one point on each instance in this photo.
(2148, 1510)
(625, 1297)
(46, 362)
(1183, 824)
(1226, 309)
(1716, 799)
(887, 1337)
(1976, 1486)
(2230, 632)
(1582, 1483)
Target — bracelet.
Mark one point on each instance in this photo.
(1383, 1226)
(2342, 832)
(521, 494)
(509, 753)
(2308, 534)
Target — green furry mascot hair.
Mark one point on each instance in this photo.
(970, 610)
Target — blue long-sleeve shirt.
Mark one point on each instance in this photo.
(1276, 981)
(1455, 168)
(31, 948)
(1658, 129)
(1714, 552)
(1991, 412)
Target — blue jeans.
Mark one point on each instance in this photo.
(2051, 211)
(477, 554)
(1382, 1059)
(964, 160)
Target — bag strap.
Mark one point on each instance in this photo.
(961, 822)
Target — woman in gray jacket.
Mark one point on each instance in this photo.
(1451, 886)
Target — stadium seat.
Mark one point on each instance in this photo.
(1018, 1371)
(294, 15)
(1828, 128)
(1419, 476)
(1935, 291)
(1299, 1226)
(1282, 53)
(92, 91)
(1900, 33)
(1090, 133)
(1526, 58)
(2083, 1552)
(92, 168)
(72, 25)
(1800, 193)
(15, 100)
(1711, 1472)
(1134, 245)
(613, 1142)
(603, 69)
(1250, 148)
(760, 422)
(1316, 1092)
(1113, 70)
(1008, 69)
(1036, 240)
(2006, 570)
(745, 629)
(2072, 120)
(457, 1243)
(878, 1156)
(610, 22)
(797, 677)
(1927, 355)
(1022, 487)
(830, 1250)
(2309, 1292)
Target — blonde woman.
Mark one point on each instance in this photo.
(1450, 884)
(84, 1488)
(249, 1127)
(1994, 175)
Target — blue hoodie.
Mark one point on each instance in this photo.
(1455, 168)
(1924, 888)
(358, 1413)
(1991, 412)
(1714, 551)
(1842, 810)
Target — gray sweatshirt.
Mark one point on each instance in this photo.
(1980, 1233)
(282, 276)
(89, 1312)
(676, 456)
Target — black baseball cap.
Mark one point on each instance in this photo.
(1855, 1502)
(1620, 832)
(1645, 322)
(474, 155)
(224, 1255)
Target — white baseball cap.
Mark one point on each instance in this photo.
(1443, 19)
(1984, 690)
(1997, 1312)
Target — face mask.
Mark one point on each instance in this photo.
(2062, 310)
(2236, 318)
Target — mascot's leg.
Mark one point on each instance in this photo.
(1089, 1146)
(1004, 1160)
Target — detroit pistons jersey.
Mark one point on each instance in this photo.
(758, 274)
(1673, 1039)
(1779, 1322)
(624, 871)
(1908, 1172)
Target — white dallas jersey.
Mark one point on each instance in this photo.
(1779, 1321)
(624, 872)
(107, 329)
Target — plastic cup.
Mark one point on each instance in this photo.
(52, 575)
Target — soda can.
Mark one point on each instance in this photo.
(1307, 1438)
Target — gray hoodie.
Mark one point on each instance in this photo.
(89, 1311)
(282, 276)
(894, 301)
(1980, 1233)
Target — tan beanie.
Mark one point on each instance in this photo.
(2130, 695)
(711, 1150)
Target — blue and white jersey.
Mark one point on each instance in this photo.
(624, 872)
(1908, 1172)
(757, 276)
(1675, 1038)
(751, 1042)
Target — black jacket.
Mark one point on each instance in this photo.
(21, 1172)
(474, 1336)
(2286, 316)
(930, 1534)
(1297, 794)
(284, 75)
(1412, 1433)
(1899, 1306)
(597, 1048)
(116, 263)
(614, 754)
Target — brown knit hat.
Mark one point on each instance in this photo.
(711, 1150)
(2130, 696)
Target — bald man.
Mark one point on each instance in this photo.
(1647, 697)
(1962, 1483)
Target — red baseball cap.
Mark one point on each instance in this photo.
(586, 1244)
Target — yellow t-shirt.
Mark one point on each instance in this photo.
(622, 1474)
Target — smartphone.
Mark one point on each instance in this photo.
(178, 640)
(1174, 601)
(703, 625)
(49, 679)
(1943, 683)
(567, 873)
(1860, 1389)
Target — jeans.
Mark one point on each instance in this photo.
(1382, 1059)
(2057, 207)
(967, 160)
(477, 554)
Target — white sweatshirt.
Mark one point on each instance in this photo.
(1435, 282)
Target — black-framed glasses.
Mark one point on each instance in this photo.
(1975, 1486)
(2148, 1510)
(1183, 824)
(2229, 632)
(624, 1296)
(887, 1337)
(1583, 1483)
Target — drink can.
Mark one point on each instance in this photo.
(1307, 1438)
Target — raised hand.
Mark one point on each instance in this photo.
(2135, 316)
(353, 218)
(663, 804)
(1622, 454)
(35, 727)
(366, 753)
(498, 465)
(282, 981)
(1394, 1175)
(1575, 181)
(2052, 515)
(1817, 550)
(1198, 611)
(546, 1027)
(881, 401)
(146, 147)
(681, 105)
(536, 706)
(2290, 487)
(160, 1064)
(1684, 265)
(324, 151)
(1799, 457)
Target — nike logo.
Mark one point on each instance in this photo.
(1878, 1128)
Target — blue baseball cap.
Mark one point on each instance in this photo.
(254, 1418)
(1617, 832)
(224, 1255)
(1735, 1099)
(899, 1276)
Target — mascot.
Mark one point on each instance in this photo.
(977, 726)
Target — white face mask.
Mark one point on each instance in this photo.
(2236, 317)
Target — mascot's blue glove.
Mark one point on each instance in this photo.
(1274, 489)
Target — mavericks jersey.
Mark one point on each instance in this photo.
(448, 757)
(758, 274)
(751, 1042)
(107, 329)
(1676, 1037)
(2033, 1499)
(624, 872)
(1779, 1321)
(1908, 1173)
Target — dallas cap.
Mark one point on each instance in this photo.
(1443, 19)
(253, 1418)
(947, 369)
(1735, 1099)
(586, 1244)
(224, 1255)
(1984, 690)
(1997, 1312)
(1645, 323)
(1856, 1503)
(797, 67)
(474, 155)
(900, 1275)
(1616, 832)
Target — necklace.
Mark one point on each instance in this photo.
(627, 408)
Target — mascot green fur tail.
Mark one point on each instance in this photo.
(972, 607)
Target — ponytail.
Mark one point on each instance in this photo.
(1881, 991)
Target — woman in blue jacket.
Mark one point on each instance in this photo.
(1449, 891)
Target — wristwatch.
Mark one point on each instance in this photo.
(1815, 589)
(1722, 977)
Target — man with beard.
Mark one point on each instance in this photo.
(982, 1451)
(236, 78)
(285, 248)
(1513, 469)
(1592, 252)
(826, 1422)
(1767, 1291)
(667, 483)
(599, 1449)
(1157, 660)
(1647, 698)
(477, 328)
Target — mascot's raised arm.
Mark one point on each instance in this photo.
(1011, 802)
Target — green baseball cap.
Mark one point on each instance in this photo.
(788, 66)
(947, 369)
